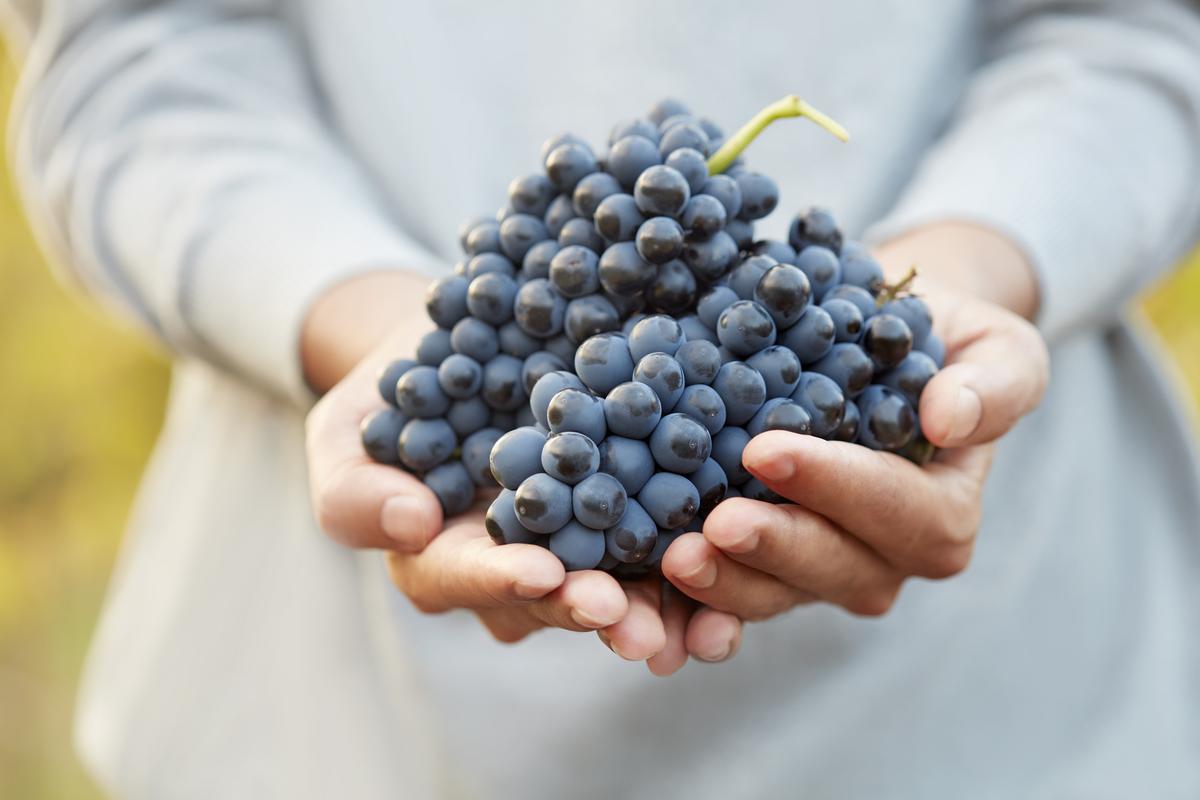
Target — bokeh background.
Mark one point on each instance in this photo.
(81, 401)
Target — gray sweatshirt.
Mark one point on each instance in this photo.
(207, 168)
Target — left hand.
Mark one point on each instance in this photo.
(864, 521)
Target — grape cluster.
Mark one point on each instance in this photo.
(616, 335)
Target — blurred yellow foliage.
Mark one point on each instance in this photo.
(81, 400)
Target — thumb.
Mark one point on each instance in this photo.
(989, 384)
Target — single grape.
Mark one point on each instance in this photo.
(713, 302)
(935, 348)
(824, 401)
(603, 361)
(579, 411)
(703, 404)
(489, 262)
(562, 347)
(558, 213)
(915, 314)
(460, 376)
(632, 410)
(425, 443)
(588, 316)
(674, 288)
(389, 375)
(476, 455)
(745, 328)
(446, 300)
(623, 271)
(727, 449)
(847, 319)
(582, 233)
(725, 189)
(419, 393)
(857, 295)
(888, 421)
(655, 334)
(779, 367)
(435, 346)
(783, 291)
(627, 326)
(630, 156)
(699, 360)
(537, 261)
(570, 457)
(627, 460)
(848, 366)
(380, 433)
(686, 135)
(671, 500)
(539, 309)
(662, 374)
(812, 336)
(760, 195)
(537, 365)
(483, 238)
(695, 330)
(464, 230)
(742, 233)
(816, 227)
(490, 297)
(910, 376)
(780, 251)
(618, 218)
(567, 164)
(711, 483)
(887, 340)
(691, 165)
(530, 194)
(516, 455)
(543, 504)
(577, 546)
(823, 269)
(518, 233)
(468, 416)
(599, 500)
(666, 108)
(703, 215)
(710, 257)
(591, 190)
(561, 138)
(712, 129)
(847, 430)
(502, 524)
(680, 443)
(745, 276)
(636, 126)
(780, 414)
(860, 269)
(659, 239)
(661, 191)
(631, 538)
(574, 271)
(742, 390)
(516, 342)
(502, 388)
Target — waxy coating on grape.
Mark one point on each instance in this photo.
(460, 376)
(659, 239)
(760, 195)
(661, 191)
(742, 390)
(632, 410)
(502, 388)
(623, 271)
(536, 263)
(476, 455)
(780, 251)
(680, 443)
(570, 457)
(618, 218)
(915, 314)
(700, 360)
(744, 278)
(684, 135)
(632, 537)
(484, 263)
(589, 316)
(603, 361)
(452, 485)
(726, 190)
(591, 190)
(380, 432)
(780, 414)
(910, 376)
(887, 339)
(630, 156)
(847, 319)
(599, 501)
(674, 288)
(816, 227)
(543, 504)
(663, 374)
(692, 165)
(741, 232)
(389, 376)
(703, 404)
(697, 331)
(635, 126)
(935, 348)
(567, 164)
(539, 309)
(545, 390)
(862, 270)
(419, 393)
(530, 194)
(783, 291)
(446, 300)
(517, 455)
(710, 257)
(711, 483)
(518, 233)
(483, 238)
(671, 500)
(425, 443)
(574, 271)
(577, 546)
(727, 449)
(745, 328)
(847, 429)
(713, 302)
(857, 295)
(516, 342)
(779, 368)
(655, 334)
(812, 336)
(490, 297)
(580, 233)
(579, 411)
(824, 401)
(848, 366)
(703, 215)
(888, 420)
(666, 108)
(502, 524)
(823, 269)
(468, 416)
(560, 138)
(558, 214)
(435, 346)
(627, 460)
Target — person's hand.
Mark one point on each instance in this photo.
(860, 522)
(447, 564)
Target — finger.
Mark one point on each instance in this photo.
(586, 601)
(806, 551)
(713, 635)
(464, 568)
(993, 380)
(707, 575)
(676, 611)
(356, 501)
(922, 521)
(641, 634)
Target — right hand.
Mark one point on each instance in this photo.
(447, 564)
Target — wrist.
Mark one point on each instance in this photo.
(966, 257)
(353, 317)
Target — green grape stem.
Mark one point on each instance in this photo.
(790, 106)
(893, 290)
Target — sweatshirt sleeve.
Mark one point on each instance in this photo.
(174, 161)
(1079, 138)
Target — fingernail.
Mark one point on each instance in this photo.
(968, 410)
(527, 590)
(723, 654)
(743, 543)
(703, 576)
(403, 520)
(775, 467)
(585, 619)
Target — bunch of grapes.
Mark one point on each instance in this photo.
(616, 336)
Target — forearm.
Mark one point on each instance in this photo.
(355, 316)
(971, 258)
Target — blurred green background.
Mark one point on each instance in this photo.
(81, 400)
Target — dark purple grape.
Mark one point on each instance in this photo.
(745, 276)
(779, 367)
(780, 251)
(915, 314)
(887, 340)
(627, 460)
(703, 215)
(558, 213)
(599, 501)
(537, 365)
(655, 334)
(659, 240)
(674, 288)
(742, 233)
(888, 421)
(425, 443)
(711, 483)
(603, 362)
(727, 449)
(780, 414)
(661, 191)
(530, 194)
(419, 393)
(577, 546)
(562, 347)
(632, 410)
(543, 504)
(847, 319)
(632, 537)
(783, 291)
(713, 302)
(847, 430)
(483, 238)
(574, 271)
(560, 138)
(823, 269)
(468, 416)
(536, 263)
(710, 257)
(380, 433)
(546, 388)
(490, 262)
(666, 108)
(464, 230)
(476, 452)
(745, 328)
(700, 361)
(686, 135)
(703, 404)
(490, 298)
(812, 336)
(637, 126)
(518, 233)
(935, 348)
(623, 271)
(824, 401)
(848, 366)
(502, 388)
(581, 232)
(567, 164)
(760, 195)
(516, 455)
(446, 300)
(570, 457)
(860, 269)
(726, 190)
(712, 129)
(696, 330)
(618, 218)
(502, 524)
(662, 374)
(680, 443)
(691, 165)
(588, 316)
(539, 309)
(578, 411)
(671, 500)
(630, 156)
(516, 342)
(910, 376)
(742, 390)
(591, 190)
(389, 375)
(857, 295)
(815, 227)
(460, 376)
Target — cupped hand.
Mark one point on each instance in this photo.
(860, 521)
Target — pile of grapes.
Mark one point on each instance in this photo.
(616, 335)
